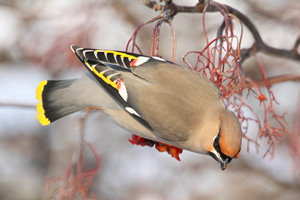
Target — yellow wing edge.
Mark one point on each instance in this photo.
(122, 54)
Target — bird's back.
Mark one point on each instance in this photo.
(172, 99)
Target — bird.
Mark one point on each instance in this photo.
(149, 96)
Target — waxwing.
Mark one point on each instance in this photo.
(150, 97)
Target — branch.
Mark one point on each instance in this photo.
(278, 79)
(17, 105)
(172, 9)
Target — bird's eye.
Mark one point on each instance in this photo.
(216, 143)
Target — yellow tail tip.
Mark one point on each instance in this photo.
(40, 108)
(41, 114)
(40, 89)
(43, 119)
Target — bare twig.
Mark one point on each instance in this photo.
(278, 79)
(17, 105)
(155, 38)
(133, 38)
(174, 40)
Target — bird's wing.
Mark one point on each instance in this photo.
(159, 94)
(99, 63)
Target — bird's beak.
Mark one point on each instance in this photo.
(224, 163)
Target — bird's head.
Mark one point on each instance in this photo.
(226, 145)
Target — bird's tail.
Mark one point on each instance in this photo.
(54, 101)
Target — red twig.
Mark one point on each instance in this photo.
(77, 181)
(174, 40)
(155, 38)
(133, 38)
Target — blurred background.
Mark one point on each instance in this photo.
(34, 45)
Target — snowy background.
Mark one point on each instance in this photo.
(34, 45)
